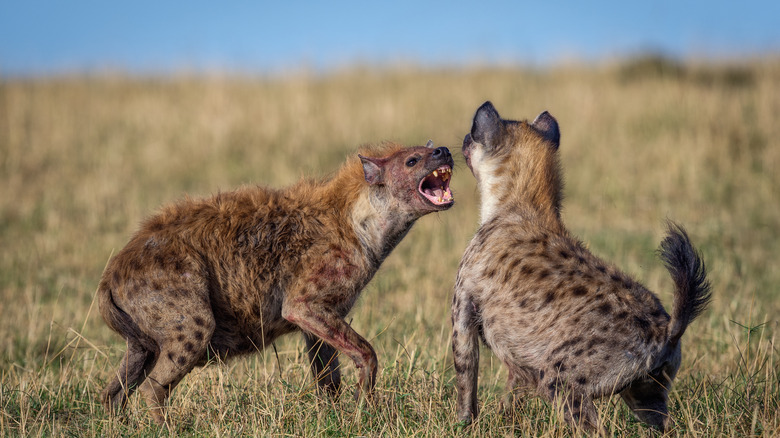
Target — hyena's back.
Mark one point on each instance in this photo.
(192, 259)
(568, 332)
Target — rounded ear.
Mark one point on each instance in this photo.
(373, 169)
(546, 124)
(486, 126)
(429, 144)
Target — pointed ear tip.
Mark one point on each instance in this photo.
(487, 105)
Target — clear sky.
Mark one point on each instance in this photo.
(44, 37)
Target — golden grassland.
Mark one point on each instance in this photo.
(84, 159)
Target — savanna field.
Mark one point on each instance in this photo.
(83, 159)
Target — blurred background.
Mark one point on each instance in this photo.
(47, 37)
(668, 109)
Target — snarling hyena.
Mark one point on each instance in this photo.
(566, 324)
(226, 275)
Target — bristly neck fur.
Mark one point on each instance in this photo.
(527, 180)
(379, 224)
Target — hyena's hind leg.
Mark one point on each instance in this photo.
(180, 352)
(519, 387)
(324, 365)
(136, 363)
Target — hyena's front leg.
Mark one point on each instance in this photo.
(324, 365)
(465, 352)
(320, 321)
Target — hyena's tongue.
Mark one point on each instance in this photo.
(436, 186)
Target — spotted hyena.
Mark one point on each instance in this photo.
(566, 324)
(226, 275)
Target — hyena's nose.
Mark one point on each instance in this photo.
(441, 152)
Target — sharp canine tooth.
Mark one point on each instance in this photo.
(435, 173)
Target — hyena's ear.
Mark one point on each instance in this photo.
(486, 125)
(546, 124)
(429, 144)
(373, 169)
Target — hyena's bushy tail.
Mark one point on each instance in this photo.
(692, 289)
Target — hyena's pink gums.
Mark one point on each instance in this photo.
(226, 275)
(567, 325)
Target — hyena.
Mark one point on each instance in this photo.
(567, 325)
(226, 275)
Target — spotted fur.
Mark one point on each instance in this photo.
(568, 326)
(226, 275)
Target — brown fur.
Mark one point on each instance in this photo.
(226, 275)
(567, 325)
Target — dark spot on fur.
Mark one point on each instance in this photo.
(159, 259)
(527, 270)
(623, 314)
(180, 338)
(199, 321)
(544, 274)
(602, 269)
(559, 366)
(523, 303)
(181, 360)
(491, 273)
(135, 264)
(642, 323)
(549, 297)
(579, 291)
(564, 253)
(593, 341)
(579, 352)
(566, 344)
(604, 308)
(189, 347)
(616, 278)
(179, 328)
(580, 260)
(541, 374)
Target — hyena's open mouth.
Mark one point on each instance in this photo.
(436, 186)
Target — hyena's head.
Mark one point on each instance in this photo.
(415, 180)
(514, 161)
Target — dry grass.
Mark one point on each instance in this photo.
(84, 159)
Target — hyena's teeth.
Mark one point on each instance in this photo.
(435, 173)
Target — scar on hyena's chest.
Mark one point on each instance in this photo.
(337, 266)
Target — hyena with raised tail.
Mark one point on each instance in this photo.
(567, 325)
(226, 275)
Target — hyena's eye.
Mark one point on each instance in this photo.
(411, 162)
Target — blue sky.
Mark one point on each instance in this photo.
(46, 37)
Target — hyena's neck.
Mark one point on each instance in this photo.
(374, 216)
(524, 185)
(378, 225)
